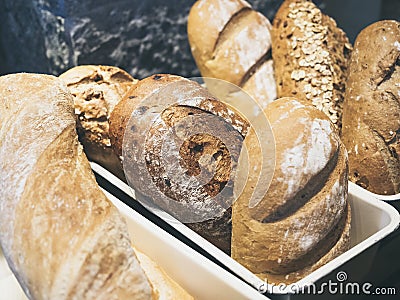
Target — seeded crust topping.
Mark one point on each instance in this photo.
(316, 57)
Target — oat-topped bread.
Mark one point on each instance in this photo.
(96, 90)
(231, 41)
(303, 220)
(371, 113)
(311, 56)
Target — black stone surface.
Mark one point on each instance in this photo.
(142, 37)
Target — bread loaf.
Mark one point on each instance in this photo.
(164, 288)
(202, 136)
(371, 113)
(61, 236)
(232, 42)
(311, 56)
(303, 220)
(96, 90)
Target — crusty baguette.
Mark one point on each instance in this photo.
(61, 236)
(303, 220)
(231, 41)
(311, 56)
(96, 90)
(371, 112)
(144, 126)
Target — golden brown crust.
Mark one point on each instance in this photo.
(96, 91)
(371, 113)
(164, 287)
(311, 56)
(61, 236)
(232, 42)
(297, 222)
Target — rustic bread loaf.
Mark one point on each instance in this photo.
(96, 90)
(198, 147)
(164, 288)
(232, 42)
(303, 220)
(311, 56)
(371, 112)
(61, 236)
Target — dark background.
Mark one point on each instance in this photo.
(142, 37)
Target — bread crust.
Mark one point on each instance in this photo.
(305, 211)
(61, 236)
(311, 57)
(96, 90)
(371, 113)
(231, 41)
(145, 127)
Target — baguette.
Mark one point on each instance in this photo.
(311, 56)
(61, 236)
(303, 220)
(371, 113)
(231, 41)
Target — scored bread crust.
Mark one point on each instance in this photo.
(371, 113)
(311, 57)
(61, 236)
(231, 41)
(304, 213)
(96, 90)
(147, 135)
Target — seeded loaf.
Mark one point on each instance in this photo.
(311, 56)
(231, 41)
(371, 113)
(172, 179)
(96, 90)
(303, 220)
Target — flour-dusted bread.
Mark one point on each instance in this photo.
(311, 56)
(61, 236)
(96, 90)
(371, 113)
(231, 41)
(203, 137)
(303, 219)
(164, 288)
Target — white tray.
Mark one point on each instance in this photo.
(372, 220)
(195, 273)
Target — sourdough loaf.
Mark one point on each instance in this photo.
(303, 220)
(371, 113)
(96, 90)
(311, 56)
(231, 41)
(202, 136)
(61, 236)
